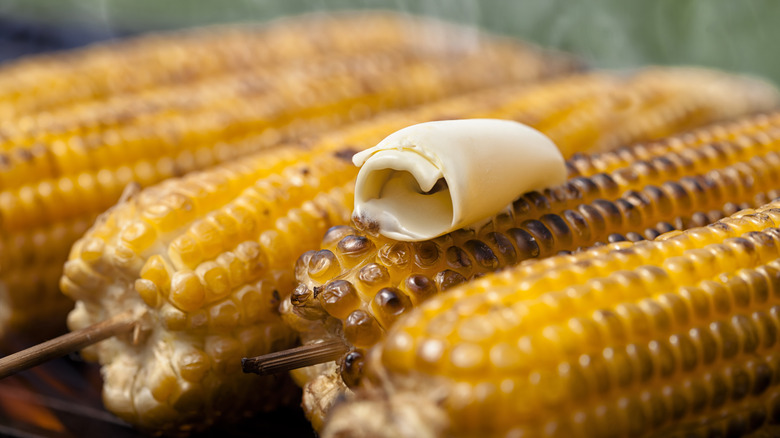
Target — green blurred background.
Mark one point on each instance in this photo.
(736, 35)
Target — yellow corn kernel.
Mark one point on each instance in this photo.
(187, 293)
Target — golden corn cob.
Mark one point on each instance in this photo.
(204, 260)
(358, 285)
(45, 82)
(59, 169)
(677, 335)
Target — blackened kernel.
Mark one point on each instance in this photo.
(300, 295)
(638, 199)
(578, 225)
(767, 329)
(570, 191)
(727, 338)
(447, 279)
(351, 368)
(740, 383)
(607, 186)
(586, 187)
(354, 245)
(694, 185)
(625, 176)
(634, 237)
(762, 378)
(560, 230)
(644, 169)
(651, 234)
(457, 258)
(616, 237)
(736, 425)
(571, 169)
(664, 165)
(390, 303)
(542, 234)
(539, 202)
(719, 389)
(660, 201)
(664, 227)
(335, 234)
(526, 245)
(502, 247)
(610, 212)
(521, 207)
(420, 287)
(632, 215)
(699, 219)
(482, 254)
(680, 197)
(748, 333)
(596, 221)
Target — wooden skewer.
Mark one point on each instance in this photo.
(66, 344)
(293, 358)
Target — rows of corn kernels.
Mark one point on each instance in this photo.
(203, 182)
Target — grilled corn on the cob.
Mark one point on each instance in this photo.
(204, 260)
(42, 83)
(671, 337)
(357, 285)
(61, 167)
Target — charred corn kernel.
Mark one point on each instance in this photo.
(628, 352)
(605, 207)
(78, 127)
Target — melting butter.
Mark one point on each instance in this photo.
(484, 165)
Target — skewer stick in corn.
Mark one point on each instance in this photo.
(205, 259)
(63, 345)
(677, 335)
(59, 169)
(358, 299)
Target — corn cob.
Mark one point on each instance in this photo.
(358, 285)
(46, 82)
(652, 338)
(205, 259)
(59, 169)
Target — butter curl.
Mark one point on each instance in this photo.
(432, 178)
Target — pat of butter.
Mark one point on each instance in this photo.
(429, 179)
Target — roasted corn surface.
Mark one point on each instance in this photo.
(204, 261)
(357, 285)
(160, 107)
(42, 83)
(672, 337)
